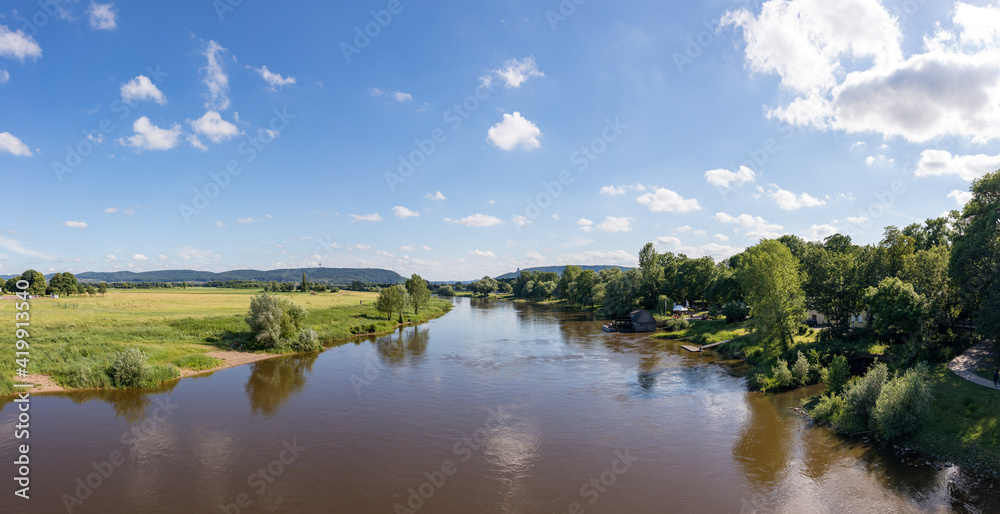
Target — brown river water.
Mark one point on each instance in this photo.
(496, 407)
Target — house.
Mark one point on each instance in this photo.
(642, 320)
(816, 318)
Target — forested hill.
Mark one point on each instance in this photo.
(334, 275)
(557, 269)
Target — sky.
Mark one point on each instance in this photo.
(459, 139)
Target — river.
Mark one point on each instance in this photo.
(497, 407)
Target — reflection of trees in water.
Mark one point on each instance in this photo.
(273, 381)
(131, 404)
(646, 373)
(395, 348)
(762, 448)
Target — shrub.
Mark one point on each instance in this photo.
(308, 341)
(829, 407)
(837, 375)
(446, 291)
(87, 377)
(272, 321)
(903, 403)
(129, 368)
(676, 324)
(803, 330)
(782, 374)
(801, 369)
(860, 398)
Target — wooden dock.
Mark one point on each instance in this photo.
(693, 348)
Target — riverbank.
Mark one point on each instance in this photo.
(182, 332)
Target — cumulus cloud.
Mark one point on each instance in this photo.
(521, 221)
(726, 178)
(274, 81)
(215, 78)
(403, 212)
(878, 160)
(515, 72)
(665, 200)
(212, 126)
(110, 258)
(401, 96)
(714, 250)
(514, 131)
(103, 16)
(438, 196)
(480, 253)
(479, 220)
(821, 232)
(615, 224)
(150, 137)
(968, 167)
(620, 190)
(12, 145)
(858, 220)
(585, 224)
(74, 224)
(756, 226)
(960, 197)
(18, 45)
(366, 217)
(140, 89)
(789, 201)
(140, 258)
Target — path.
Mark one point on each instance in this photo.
(965, 365)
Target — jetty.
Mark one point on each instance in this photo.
(693, 348)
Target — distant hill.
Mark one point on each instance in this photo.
(557, 269)
(335, 275)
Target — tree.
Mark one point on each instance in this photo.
(569, 275)
(650, 276)
(621, 291)
(420, 295)
(446, 291)
(898, 246)
(102, 288)
(582, 290)
(273, 321)
(896, 309)
(928, 270)
(769, 276)
(506, 288)
(484, 286)
(837, 375)
(975, 256)
(392, 300)
(63, 284)
(305, 284)
(832, 285)
(36, 282)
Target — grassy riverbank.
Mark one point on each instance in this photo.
(173, 327)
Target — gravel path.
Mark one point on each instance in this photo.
(965, 365)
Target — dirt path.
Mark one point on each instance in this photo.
(965, 365)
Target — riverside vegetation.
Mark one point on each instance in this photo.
(143, 337)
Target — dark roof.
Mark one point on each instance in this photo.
(641, 315)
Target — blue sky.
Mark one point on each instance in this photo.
(458, 139)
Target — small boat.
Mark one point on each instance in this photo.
(608, 328)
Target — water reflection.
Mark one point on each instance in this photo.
(131, 404)
(761, 449)
(274, 381)
(403, 346)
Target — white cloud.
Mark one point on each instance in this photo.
(274, 80)
(514, 72)
(803, 41)
(425, 247)
(722, 237)
(150, 137)
(684, 228)
(406, 248)
(435, 196)
(665, 200)
(18, 45)
(110, 258)
(74, 224)
(103, 16)
(789, 201)
(980, 25)
(620, 190)
(968, 167)
(401, 96)
(140, 258)
(113, 210)
(616, 224)
(403, 212)
(821, 232)
(215, 78)
(141, 88)
(480, 253)
(514, 131)
(360, 246)
(194, 254)
(212, 126)
(585, 224)
(249, 220)
(726, 178)
(756, 226)
(366, 217)
(4, 76)
(521, 221)
(479, 220)
(960, 197)
(858, 220)
(596, 257)
(879, 160)
(163, 257)
(12, 145)
(714, 250)
(699, 232)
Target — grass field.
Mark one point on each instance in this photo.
(173, 327)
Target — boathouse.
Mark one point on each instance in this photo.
(642, 321)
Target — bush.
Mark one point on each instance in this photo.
(903, 404)
(88, 377)
(129, 368)
(676, 324)
(837, 375)
(446, 291)
(273, 321)
(829, 407)
(308, 341)
(801, 369)
(860, 398)
(782, 374)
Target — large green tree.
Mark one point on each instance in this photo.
(621, 291)
(36, 281)
(896, 309)
(770, 279)
(420, 294)
(975, 256)
(392, 300)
